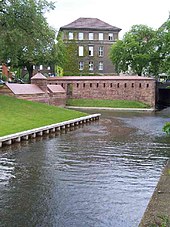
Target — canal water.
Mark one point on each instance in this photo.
(99, 175)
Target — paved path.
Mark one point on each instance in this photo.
(158, 209)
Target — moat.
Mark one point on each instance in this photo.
(101, 174)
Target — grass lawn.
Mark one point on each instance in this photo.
(106, 103)
(19, 115)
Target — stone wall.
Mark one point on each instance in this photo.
(56, 99)
(106, 87)
(115, 87)
(4, 90)
(43, 98)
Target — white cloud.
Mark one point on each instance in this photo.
(119, 13)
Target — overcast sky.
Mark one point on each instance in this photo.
(119, 13)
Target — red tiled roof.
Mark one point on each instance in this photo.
(55, 88)
(38, 76)
(90, 24)
(24, 89)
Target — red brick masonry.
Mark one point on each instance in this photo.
(38, 91)
(108, 87)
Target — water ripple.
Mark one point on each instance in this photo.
(6, 169)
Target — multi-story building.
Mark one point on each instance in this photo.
(88, 41)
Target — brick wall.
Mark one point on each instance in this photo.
(56, 99)
(122, 88)
(4, 90)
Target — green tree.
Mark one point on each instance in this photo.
(26, 38)
(71, 64)
(163, 49)
(58, 56)
(135, 51)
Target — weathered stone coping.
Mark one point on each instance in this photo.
(28, 134)
(114, 109)
(158, 208)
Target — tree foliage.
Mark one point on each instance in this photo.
(163, 44)
(26, 38)
(143, 50)
(166, 128)
(71, 65)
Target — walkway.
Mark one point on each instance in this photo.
(158, 210)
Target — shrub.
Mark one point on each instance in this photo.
(166, 128)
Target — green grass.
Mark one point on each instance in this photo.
(106, 103)
(18, 115)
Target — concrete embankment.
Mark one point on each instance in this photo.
(25, 135)
(158, 209)
(114, 109)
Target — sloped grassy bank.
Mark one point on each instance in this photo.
(106, 103)
(18, 115)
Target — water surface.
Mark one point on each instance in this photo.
(99, 175)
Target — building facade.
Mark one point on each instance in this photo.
(88, 42)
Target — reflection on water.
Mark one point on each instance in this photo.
(99, 175)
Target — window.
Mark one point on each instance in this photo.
(70, 35)
(90, 66)
(101, 51)
(100, 36)
(81, 65)
(33, 67)
(90, 36)
(41, 67)
(90, 51)
(100, 65)
(80, 36)
(81, 50)
(48, 68)
(110, 36)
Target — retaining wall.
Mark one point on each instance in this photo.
(109, 87)
(25, 135)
